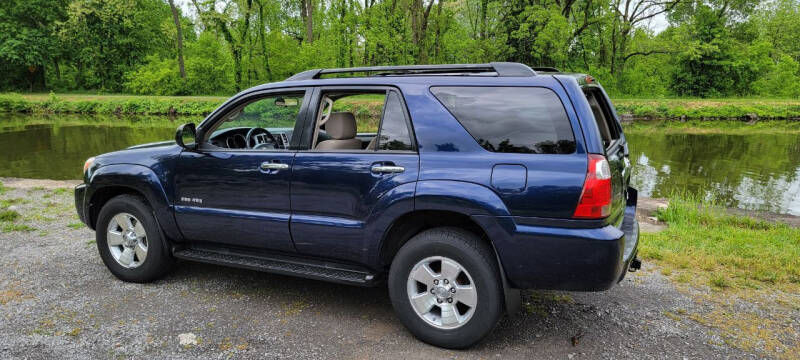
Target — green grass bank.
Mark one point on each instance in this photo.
(704, 245)
(687, 109)
(709, 109)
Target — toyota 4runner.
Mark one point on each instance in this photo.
(457, 185)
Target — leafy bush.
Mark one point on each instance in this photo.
(208, 71)
(14, 103)
(781, 80)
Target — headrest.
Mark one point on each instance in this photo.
(341, 126)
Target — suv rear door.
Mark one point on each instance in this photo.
(334, 192)
(523, 146)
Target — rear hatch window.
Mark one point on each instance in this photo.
(511, 119)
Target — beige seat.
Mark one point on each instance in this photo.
(341, 127)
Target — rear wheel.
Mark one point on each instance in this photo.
(130, 241)
(445, 287)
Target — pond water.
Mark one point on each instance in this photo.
(757, 172)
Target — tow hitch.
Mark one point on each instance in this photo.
(636, 264)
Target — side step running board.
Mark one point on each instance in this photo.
(311, 269)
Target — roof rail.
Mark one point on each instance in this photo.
(545, 69)
(503, 69)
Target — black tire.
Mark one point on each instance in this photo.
(158, 260)
(479, 261)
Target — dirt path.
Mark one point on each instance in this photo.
(57, 300)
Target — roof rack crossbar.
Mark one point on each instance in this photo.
(503, 69)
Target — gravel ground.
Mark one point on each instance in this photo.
(57, 300)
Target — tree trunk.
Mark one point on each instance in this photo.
(239, 45)
(263, 39)
(307, 13)
(79, 75)
(484, 21)
(421, 27)
(177, 20)
(57, 68)
(438, 30)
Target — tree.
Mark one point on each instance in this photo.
(234, 29)
(307, 13)
(177, 21)
(708, 48)
(27, 44)
(110, 37)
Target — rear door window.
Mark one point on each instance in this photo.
(528, 120)
(394, 134)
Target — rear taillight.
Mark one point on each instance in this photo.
(595, 202)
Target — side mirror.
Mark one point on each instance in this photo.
(186, 136)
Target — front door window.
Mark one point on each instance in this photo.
(266, 123)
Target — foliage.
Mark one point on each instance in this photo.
(206, 69)
(110, 36)
(366, 108)
(699, 48)
(144, 105)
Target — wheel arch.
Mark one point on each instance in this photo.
(414, 222)
(113, 180)
(102, 195)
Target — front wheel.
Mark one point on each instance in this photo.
(445, 287)
(130, 241)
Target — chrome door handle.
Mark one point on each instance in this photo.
(274, 166)
(387, 169)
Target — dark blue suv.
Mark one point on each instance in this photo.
(458, 185)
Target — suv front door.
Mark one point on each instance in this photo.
(234, 190)
(335, 193)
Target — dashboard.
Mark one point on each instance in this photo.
(237, 138)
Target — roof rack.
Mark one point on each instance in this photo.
(502, 69)
(545, 69)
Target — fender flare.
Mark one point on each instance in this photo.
(458, 196)
(391, 206)
(142, 180)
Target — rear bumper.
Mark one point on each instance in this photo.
(540, 257)
(80, 204)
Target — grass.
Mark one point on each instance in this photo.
(706, 246)
(8, 215)
(9, 227)
(75, 225)
(745, 272)
(709, 108)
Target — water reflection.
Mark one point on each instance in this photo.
(758, 172)
(55, 147)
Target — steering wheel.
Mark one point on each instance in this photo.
(260, 137)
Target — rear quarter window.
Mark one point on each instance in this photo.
(529, 120)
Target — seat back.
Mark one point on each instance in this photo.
(341, 127)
